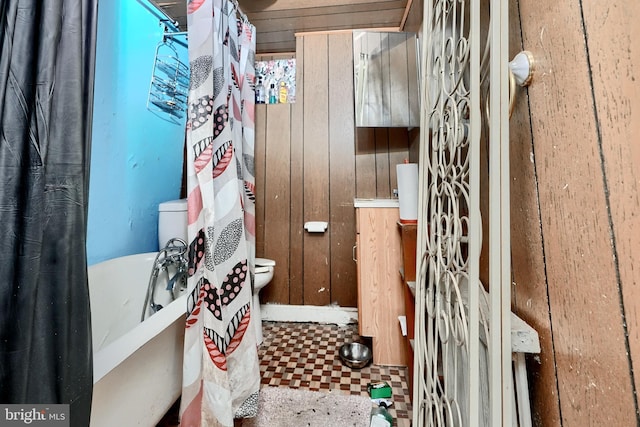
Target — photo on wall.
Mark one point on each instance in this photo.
(276, 81)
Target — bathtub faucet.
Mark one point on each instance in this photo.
(180, 276)
(170, 259)
(175, 257)
(173, 254)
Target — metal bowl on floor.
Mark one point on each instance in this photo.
(355, 355)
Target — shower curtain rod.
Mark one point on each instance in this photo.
(173, 38)
(172, 35)
(153, 7)
(243, 16)
(177, 33)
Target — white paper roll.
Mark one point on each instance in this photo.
(408, 191)
(316, 226)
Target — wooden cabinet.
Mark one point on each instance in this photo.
(380, 295)
(409, 233)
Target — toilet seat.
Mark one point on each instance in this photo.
(263, 269)
(264, 262)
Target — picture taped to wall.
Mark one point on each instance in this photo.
(277, 79)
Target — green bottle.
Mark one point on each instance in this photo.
(273, 94)
(380, 417)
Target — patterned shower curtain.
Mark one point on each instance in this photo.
(221, 370)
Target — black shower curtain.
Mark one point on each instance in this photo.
(47, 50)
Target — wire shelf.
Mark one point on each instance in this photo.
(169, 88)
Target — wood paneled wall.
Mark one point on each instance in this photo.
(575, 202)
(311, 163)
(378, 151)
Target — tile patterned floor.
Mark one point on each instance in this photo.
(305, 356)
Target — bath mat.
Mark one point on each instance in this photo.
(287, 407)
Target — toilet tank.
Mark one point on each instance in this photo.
(172, 221)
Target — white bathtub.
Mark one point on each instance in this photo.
(137, 367)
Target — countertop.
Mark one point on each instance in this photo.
(376, 203)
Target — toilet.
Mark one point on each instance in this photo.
(172, 221)
(263, 275)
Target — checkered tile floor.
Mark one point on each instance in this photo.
(305, 355)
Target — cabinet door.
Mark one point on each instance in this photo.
(362, 308)
(385, 79)
(380, 295)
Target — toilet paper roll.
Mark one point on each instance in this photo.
(316, 226)
(407, 174)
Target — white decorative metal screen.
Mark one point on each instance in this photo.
(461, 370)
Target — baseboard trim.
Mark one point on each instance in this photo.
(309, 313)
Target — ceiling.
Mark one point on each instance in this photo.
(277, 21)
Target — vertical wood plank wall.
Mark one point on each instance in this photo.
(316, 169)
(575, 203)
(277, 189)
(575, 200)
(342, 182)
(529, 291)
(296, 283)
(311, 162)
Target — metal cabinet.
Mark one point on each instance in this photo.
(386, 79)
